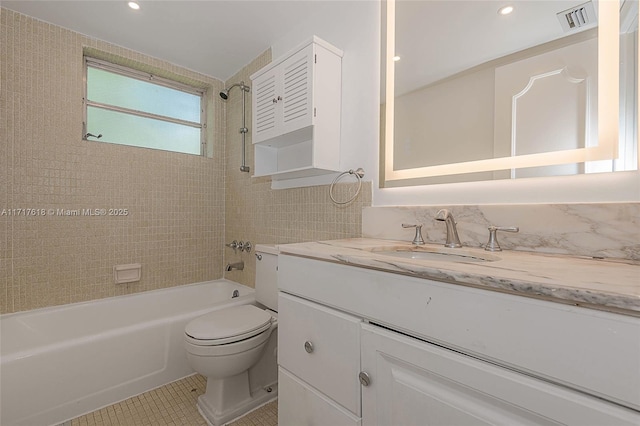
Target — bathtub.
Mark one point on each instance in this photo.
(61, 362)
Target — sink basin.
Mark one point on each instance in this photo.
(438, 254)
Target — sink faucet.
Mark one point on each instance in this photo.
(452, 233)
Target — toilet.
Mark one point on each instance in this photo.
(235, 349)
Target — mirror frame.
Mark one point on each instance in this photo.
(608, 109)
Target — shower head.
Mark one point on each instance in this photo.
(224, 94)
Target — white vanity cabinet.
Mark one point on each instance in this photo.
(296, 104)
(439, 353)
(319, 362)
(417, 383)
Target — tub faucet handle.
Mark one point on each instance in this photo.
(417, 239)
(234, 245)
(246, 246)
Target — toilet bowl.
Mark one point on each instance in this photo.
(235, 337)
(235, 349)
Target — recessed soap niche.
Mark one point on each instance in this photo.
(127, 273)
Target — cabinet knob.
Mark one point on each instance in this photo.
(365, 380)
(308, 346)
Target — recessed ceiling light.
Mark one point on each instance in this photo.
(505, 10)
(133, 5)
(396, 58)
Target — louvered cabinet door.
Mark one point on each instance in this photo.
(265, 103)
(283, 97)
(297, 88)
(296, 104)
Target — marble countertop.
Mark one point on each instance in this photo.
(605, 284)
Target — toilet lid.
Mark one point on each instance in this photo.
(229, 324)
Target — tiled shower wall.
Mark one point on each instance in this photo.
(256, 213)
(175, 224)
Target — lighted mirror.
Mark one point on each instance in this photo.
(472, 94)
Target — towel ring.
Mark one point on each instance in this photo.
(359, 174)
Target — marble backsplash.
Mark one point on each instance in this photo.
(609, 230)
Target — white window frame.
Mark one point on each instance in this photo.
(151, 78)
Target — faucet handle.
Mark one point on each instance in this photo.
(417, 239)
(492, 244)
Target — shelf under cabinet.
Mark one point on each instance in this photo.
(290, 157)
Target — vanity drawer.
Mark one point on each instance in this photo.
(321, 346)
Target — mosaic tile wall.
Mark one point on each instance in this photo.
(175, 224)
(256, 213)
(177, 203)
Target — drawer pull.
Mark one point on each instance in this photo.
(308, 346)
(365, 380)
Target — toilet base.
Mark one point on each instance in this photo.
(219, 406)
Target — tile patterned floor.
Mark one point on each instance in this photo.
(170, 405)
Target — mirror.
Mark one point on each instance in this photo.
(476, 95)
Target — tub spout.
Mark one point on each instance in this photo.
(231, 266)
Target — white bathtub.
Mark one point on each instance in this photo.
(61, 362)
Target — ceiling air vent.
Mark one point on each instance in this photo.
(578, 17)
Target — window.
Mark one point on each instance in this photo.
(130, 107)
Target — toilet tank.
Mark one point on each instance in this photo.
(267, 275)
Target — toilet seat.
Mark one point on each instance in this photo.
(228, 325)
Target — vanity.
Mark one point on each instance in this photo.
(375, 331)
(372, 336)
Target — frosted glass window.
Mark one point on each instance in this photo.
(128, 107)
(133, 130)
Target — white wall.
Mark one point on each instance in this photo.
(354, 26)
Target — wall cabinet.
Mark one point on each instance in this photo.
(296, 104)
(423, 352)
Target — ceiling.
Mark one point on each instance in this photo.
(216, 38)
(220, 37)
